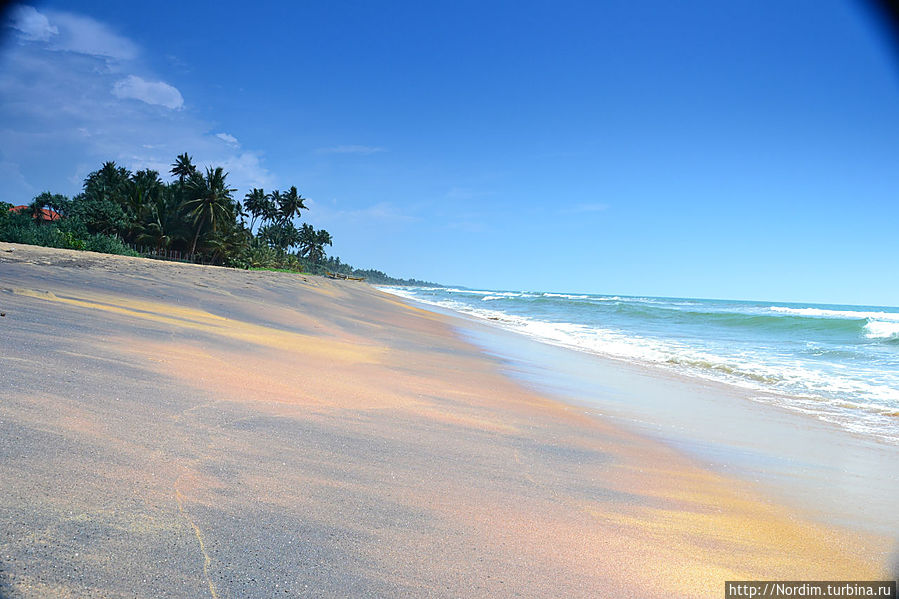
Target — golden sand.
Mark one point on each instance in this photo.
(487, 480)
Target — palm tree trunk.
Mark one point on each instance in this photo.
(193, 246)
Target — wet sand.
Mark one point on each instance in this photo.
(171, 430)
(819, 467)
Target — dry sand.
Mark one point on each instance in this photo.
(171, 430)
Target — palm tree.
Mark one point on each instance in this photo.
(256, 202)
(183, 167)
(312, 243)
(138, 210)
(290, 204)
(272, 210)
(162, 222)
(147, 179)
(155, 233)
(110, 182)
(280, 236)
(240, 213)
(210, 202)
(322, 238)
(228, 243)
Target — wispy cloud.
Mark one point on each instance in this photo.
(30, 24)
(381, 212)
(246, 170)
(68, 32)
(177, 63)
(83, 35)
(228, 138)
(157, 93)
(68, 85)
(351, 149)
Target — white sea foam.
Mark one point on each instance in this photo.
(879, 329)
(565, 295)
(468, 291)
(793, 383)
(849, 314)
(880, 325)
(400, 291)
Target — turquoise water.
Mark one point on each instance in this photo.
(836, 363)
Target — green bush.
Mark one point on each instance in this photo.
(72, 242)
(107, 244)
(262, 256)
(13, 220)
(28, 232)
(47, 236)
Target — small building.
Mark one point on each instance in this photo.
(46, 215)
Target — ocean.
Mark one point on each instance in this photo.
(837, 363)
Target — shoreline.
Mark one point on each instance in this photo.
(795, 457)
(227, 432)
(810, 463)
(700, 356)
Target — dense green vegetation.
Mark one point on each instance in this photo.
(195, 218)
(333, 264)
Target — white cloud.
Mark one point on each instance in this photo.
(157, 93)
(228, 138)
(31, 24)
(350, 149)
(86, 36)
(66, 107)
(247, 170)
(67, 32)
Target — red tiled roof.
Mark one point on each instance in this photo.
(46, 213)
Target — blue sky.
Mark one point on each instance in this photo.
(740, 149)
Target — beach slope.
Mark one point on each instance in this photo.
(173, 430)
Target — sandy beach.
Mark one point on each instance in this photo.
(173, 430)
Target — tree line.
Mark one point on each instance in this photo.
(195, 216)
